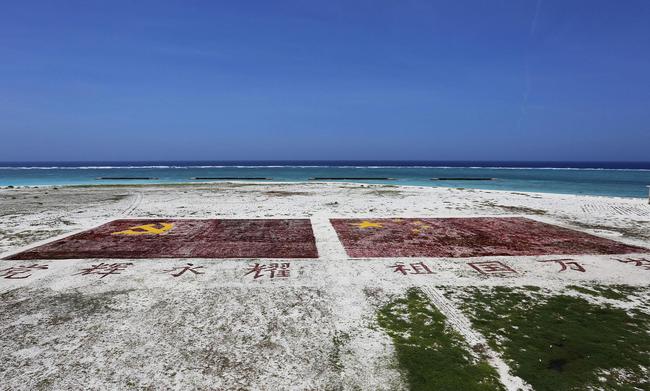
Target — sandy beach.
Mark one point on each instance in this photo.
(316, 328)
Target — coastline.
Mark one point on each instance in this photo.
(606, 180)
(315, 182)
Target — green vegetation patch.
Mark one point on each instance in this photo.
(613, 292)
(429, 353)
(339, 341)
(561, 342)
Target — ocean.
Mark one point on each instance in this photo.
(589, 178)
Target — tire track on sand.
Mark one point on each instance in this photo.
(459, 322)
(135, 203)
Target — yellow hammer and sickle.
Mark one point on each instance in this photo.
(147, 229)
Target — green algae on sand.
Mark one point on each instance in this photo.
(430, 354)
(559, 342)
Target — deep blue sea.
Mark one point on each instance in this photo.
(593, 178)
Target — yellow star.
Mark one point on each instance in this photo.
(368, 224)
(422, 225)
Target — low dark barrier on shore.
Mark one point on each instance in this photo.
(463, 179)
(119, 178)
(224, 178)
(350, 178)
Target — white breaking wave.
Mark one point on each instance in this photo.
(312, 166)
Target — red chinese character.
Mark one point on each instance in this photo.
(491, 267)
(257, 269)
(413, 268)
(639, 262)
(20, 272)
(280, 270)
(567, 263)
(105, 269)
(189, 268)
(420, 268)
(399, 267)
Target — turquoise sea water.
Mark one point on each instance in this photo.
(608, 179)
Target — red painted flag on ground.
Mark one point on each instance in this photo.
(467, 237)
(169, 238)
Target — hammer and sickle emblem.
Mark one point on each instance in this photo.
(147, 229)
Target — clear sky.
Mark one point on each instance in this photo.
(216, 80)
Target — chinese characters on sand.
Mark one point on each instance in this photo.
(105, 269)
(273, 270)
(412, 268)
(179, 271)
(491, 267)
(20, 272)
(282, 270)
(643, 263)
(567, 264)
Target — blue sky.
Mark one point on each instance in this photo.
(432, 80)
